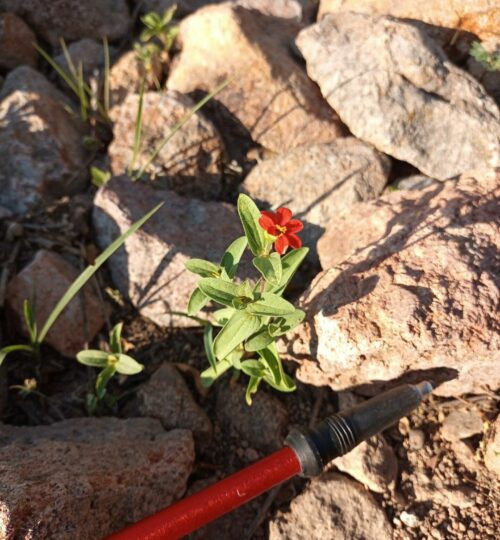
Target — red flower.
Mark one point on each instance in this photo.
(281, 225)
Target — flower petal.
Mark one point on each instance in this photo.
(294, 240)
(268, 225)
(281, 244)
(284, 215)
(294, 225)
(271, 215)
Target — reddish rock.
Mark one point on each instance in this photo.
(332, 507)
(43, 282)
(150, 268)
(16, 42)
(72, 19)
(492, 449)
(270, 94)
(166, 397)
(461, 424)
(190, 163)
(480, 17)
(88, 477)
(409, 290)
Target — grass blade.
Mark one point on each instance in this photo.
(82, 279)
(180, 124)
(138, 129)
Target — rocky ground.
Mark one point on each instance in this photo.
(375, 125)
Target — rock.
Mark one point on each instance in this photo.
(126, 74)
(320, 181)
(480, 17)
(410, 520)
(332, 507)
(149, 270)
(167, 398)
(409, 292)
(72, 19)
(414, 182)
(461, 424)
(464, 454)
(88, 477)
(16, 42)
(434, 490)
(492, 451)
(287, 9)
(416, 439)
(270, 94)
(394, 88)
(190, 163)
(41, 145)
(87, 52)
(43, 282)
(262, 424)
(372, 463)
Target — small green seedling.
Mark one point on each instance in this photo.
(110, 362)
(74, 78)
(254, 314)
(36, 337)
(490, 60)
(156, 40)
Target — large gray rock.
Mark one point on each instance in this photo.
(16, 42)
(269, 92)
(332, 507)
(409, 291)
(41, 146)
(43, 283)
(149, 269)
(190, 163)
(319, 182)
(166, 397)
(394, 88)
(88, 477)
(72, 19)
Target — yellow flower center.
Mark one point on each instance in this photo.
(281, 229)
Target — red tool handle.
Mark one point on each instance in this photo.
(212, 502)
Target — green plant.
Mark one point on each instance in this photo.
(74, 78)
(110, 362)
(156, 40)
(99, 177)
(254, 313)
(36, 337)
(491, 61)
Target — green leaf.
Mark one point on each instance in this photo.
(136, 148)
(126, 365)
(259, 340)
(253, 368)
(239, 327)
(223, 315)
(99, 177)
(4, 351)
(232, 257)
(235, 357)
(30, 320)
(290, 263)
(271, 358)
(270, 304)
(202, 268)
(197, 300)
(93, 358)
(115, 338)
(284, 324)
(82, 279)
(253, 386)
(270, 267)
(208, 343)
(249, 216)
(219, 290)
(209, 376)
(102, 380)
(287, 384)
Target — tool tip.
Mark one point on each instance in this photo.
(425, 387)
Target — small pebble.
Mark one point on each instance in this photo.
(410, 520)
(416, 439)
